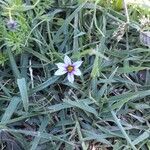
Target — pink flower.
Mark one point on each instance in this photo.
(70, 68)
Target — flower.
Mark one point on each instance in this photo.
(12, 24)
(69, 67)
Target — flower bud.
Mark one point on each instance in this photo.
(12, 25)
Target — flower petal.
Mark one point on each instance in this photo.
(77, 72)
(60, 72)
(77, 64)
(61, 65)
(70, 77)
(67, 60)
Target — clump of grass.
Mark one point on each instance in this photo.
(106, 108)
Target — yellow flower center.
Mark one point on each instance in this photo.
(70, 68)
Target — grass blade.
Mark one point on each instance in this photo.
(10, 110)
(23, 92)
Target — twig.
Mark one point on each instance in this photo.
(126, 11)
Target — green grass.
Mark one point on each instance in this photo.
(108, 107)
